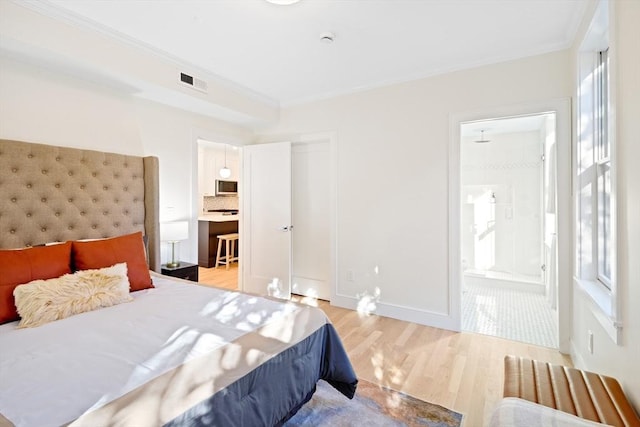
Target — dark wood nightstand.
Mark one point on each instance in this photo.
(185, 271)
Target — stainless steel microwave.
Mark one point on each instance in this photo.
(226, 188)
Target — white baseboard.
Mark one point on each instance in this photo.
(408, 314)
(578, 361)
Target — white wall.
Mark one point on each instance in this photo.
(172, 135)
(393, 190)
(39, 105)
(620, 361)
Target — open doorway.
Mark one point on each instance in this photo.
(507, 213)
(219, 179)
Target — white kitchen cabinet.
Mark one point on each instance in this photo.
(234, 165)
(210, 161)
(207, 171)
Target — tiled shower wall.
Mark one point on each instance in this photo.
(503, 233)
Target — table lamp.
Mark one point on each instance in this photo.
(173, 232)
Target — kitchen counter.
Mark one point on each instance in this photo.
(210, 226)
(218, 217)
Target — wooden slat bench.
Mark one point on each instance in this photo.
(585, 394)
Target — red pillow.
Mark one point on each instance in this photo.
(20, 266)
(107, 252)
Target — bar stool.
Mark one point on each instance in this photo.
(229, 257)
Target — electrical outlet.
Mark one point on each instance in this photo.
(590, 342)
(351, 276)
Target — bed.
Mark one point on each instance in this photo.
(169, 353)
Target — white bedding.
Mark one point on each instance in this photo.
(52, 374)
(514, 412)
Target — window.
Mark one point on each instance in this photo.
(594, 172)
(594, 189)
(603, 168)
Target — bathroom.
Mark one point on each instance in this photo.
(507, 230)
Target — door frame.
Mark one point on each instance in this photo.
(562, 108)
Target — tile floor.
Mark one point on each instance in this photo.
(509, 313)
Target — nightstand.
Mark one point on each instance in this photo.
(185, 271)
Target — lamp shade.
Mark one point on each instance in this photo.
(174, 231)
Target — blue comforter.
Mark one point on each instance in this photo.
(272, 393)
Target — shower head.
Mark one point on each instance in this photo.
(482, 140)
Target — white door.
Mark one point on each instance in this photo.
(310, 166)
(266, 211)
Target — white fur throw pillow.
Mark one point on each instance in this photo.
(42, 301)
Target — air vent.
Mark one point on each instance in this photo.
(193, 82)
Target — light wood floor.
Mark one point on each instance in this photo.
(220, 277)
(459, 370)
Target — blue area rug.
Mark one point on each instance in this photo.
(372, 406)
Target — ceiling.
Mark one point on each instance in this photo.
(275, 51)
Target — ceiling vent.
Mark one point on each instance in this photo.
(193, 82)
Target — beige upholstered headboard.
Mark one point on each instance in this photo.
(50, 194)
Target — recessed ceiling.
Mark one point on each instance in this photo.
(276, 51)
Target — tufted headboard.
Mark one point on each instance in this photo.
(50, 194)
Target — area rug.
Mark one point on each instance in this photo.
(372, 406)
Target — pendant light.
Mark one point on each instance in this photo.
(225, 172)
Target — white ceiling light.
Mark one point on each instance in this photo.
(283, 2)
